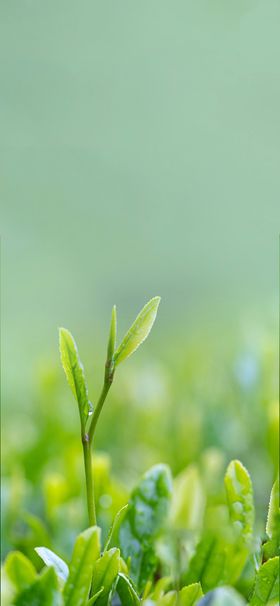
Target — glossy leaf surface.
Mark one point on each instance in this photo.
(51, 559)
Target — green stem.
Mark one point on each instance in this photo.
(89, 480)
(99, 405)
(87, 442)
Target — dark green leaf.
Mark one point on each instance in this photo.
(208, 564)
(266, 591)
(126, 591)
(44, 591)
(146, 514)
(94, 597)
(105, 573)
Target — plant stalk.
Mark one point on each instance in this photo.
(108, 379)
(87, 439)
(89, 479)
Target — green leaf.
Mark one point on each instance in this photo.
(43, 592)
(169, 599)
(239, 493)
(208, 564)
(190, 595)
(223, 596)
(19, 570)
(94, 597)
(188, 499)
(146, 514)
(85, 553)
(113, 335)
(74, 372)
(138, 332)
(266, 591)
(126, 591)
(51, 559)
(272, 546)
(105, 573)
(116, 523)
(161, 586)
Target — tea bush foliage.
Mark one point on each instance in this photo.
(184, 476)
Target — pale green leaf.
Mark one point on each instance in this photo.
(189, 596)
(138, 332)
(266, 591)
(74, 371)
(161, 586)
(188, 500)
(51, 559)
(85, 553)
(169, 599)
(239, 493)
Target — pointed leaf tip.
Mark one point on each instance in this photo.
(112, 335)
(138, 331)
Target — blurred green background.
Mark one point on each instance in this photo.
(140, 156)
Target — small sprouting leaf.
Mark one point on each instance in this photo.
(266, 591)
(190, 595)
(105, 573)
(188, 499)
(116, 522)
(19, 570)
(94, 597)
(272, 546)
(113, 335)
(85, 553)
(138, 332)
(145, 516)
(160, 587)
(126, 591)
(240, 500)
(74, 371)
(169, 599)
(44, 591)
(51, 559)
(223, 596)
